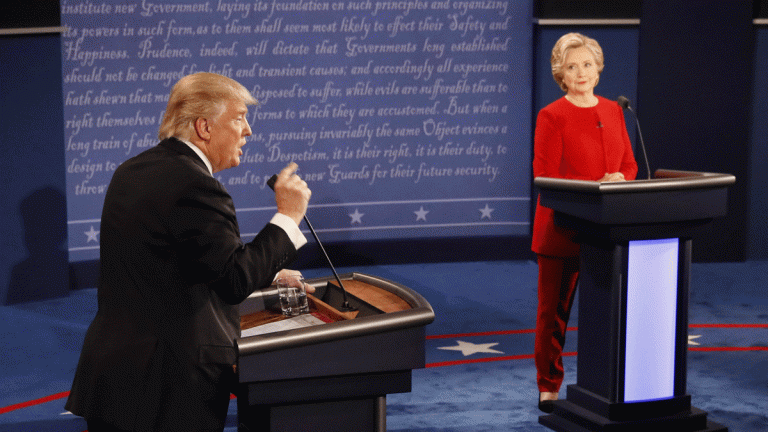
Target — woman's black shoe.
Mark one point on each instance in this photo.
(546, 406)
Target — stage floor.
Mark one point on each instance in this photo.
(480, 374)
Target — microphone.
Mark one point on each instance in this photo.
(345, 306)
(624, 104)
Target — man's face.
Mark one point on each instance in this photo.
(228, 134)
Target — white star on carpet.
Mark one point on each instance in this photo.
(469, 348)
(92, 235)
(357, 217)
(421, 214)
(690, 339)
(485, 212)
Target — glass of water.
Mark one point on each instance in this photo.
(293, 295)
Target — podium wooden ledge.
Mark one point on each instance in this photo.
(420, 313)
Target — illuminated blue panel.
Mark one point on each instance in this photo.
(651, 320)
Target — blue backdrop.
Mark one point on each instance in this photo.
(408, 119)
(33, 138)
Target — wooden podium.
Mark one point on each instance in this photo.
(333, 376)
(634, 282)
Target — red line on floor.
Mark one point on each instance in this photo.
(712, 349)
(524, 331)
(26, 404)
(490, 333)
(488, 359)
(728, 326)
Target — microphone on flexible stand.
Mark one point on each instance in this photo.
(624, 103)
(345, 306)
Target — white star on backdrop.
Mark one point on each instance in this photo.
(469, 348)
(357, 217)
(485, 212)
(92, 235)
(421, 214)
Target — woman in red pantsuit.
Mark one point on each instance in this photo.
(580, 136)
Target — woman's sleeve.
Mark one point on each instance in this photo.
(547, 146)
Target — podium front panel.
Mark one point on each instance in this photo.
(650, 336)
(633, 319)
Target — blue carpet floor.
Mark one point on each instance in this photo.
(487, 306)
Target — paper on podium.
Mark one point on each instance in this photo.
(305, 320)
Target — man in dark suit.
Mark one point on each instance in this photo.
(159, 355)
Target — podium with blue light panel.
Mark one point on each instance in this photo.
(634, 281)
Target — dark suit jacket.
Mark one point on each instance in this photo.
(159, 353)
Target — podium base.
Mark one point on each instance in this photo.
(569, 417)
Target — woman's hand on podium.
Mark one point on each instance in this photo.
(612, 177)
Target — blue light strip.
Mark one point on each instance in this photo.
(651, 319)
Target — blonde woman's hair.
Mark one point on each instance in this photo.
(564, 45)
(200, 95)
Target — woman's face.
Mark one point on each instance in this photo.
(580, 71)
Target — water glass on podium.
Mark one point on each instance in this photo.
(293, 295)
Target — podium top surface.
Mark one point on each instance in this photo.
(671, 197)
(419, 314)
(664, 180)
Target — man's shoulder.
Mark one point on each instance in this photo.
(162, 172)
(167, 156)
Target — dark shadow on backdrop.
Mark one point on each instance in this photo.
(45, 272)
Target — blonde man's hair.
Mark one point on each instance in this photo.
(564, 45)
(200, 95)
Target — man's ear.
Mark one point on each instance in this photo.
(203, 129)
